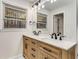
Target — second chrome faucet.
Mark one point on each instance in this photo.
(54, 35)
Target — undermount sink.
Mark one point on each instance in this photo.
(49, 38)
(44, 36)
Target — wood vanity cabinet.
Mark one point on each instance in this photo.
(34, 49)
(26, 46)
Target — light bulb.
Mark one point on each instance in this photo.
(43, 6)
(52, 1)
(39, 4)
(35, 6)
(39, 8)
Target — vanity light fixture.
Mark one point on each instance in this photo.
(36, 3)
(52, 1)
(40, 4)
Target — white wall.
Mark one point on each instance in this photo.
(70, 28)
(10, 39)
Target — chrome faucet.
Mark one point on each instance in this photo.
(59, 33)
(36, 33)
(55, 35)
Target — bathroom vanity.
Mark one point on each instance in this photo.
(38, 48)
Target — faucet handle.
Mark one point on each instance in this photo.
(58, 33)
(34, 32)
(61, 37)
(51, 35)
(39, 31)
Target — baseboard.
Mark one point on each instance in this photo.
(16, 57)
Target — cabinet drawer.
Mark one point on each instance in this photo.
(44, 55)
(27, 40)
(51, 57)
(34, 43)
(50, 50)
(33, 55)
(33, 49)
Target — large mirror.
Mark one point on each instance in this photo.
(61, 16)
(41, 21)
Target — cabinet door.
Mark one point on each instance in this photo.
(26, 46)
(44, 55)
(51, 57)
(50, 50)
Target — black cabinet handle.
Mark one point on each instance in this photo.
(45, 58)
(33, 55)
(23, 55)
(33, 49)
(33, 42)
(47, 49)
(26, 39)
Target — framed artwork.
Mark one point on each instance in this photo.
(14, 17)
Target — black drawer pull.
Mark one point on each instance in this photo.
(23, 55)
(47, 49)
(26, 39)
(33, 49)
(45, 58)
(33, 42)
(33, 55)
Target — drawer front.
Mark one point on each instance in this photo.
(51, 57)
(33, 49)
(34, 43)
(33, 56)
(50, 50)
(27, 40)
(44, 55)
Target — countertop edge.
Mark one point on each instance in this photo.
(51, 44)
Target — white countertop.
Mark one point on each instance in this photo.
(63, 44)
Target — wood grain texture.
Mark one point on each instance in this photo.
(33, 49)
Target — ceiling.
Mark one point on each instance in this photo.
(32, 1)
(51, 6)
